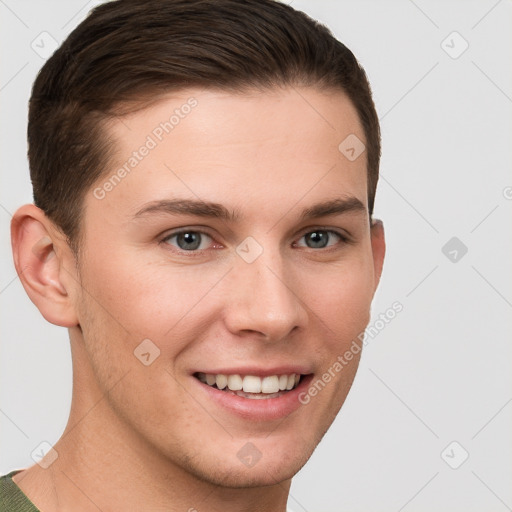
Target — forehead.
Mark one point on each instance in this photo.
(260, 150)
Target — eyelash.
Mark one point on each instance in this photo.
(344, 239)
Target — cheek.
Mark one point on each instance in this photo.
(148, 299)
(126, 303)
(343, 310)
(343, 303)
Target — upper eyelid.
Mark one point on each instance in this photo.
(186, 230)
(339, 231)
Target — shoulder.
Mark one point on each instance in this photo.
(12, 498)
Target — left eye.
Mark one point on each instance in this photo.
(189, 240)
(320, 238)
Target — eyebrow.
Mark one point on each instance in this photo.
(218, 211)
(334, 207)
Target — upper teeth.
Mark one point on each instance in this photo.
(251, 383)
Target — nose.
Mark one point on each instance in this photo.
(262, 299)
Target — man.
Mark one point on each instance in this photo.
(204, 175)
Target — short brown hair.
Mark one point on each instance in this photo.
(128, 50)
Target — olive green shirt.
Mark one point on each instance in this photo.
(12, 498)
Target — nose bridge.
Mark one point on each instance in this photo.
(265, 299)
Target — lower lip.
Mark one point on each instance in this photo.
(265, 409)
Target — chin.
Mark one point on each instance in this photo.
(252, 468)
(261, 475)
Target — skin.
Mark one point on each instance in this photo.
(149, 431)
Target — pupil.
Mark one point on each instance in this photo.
(318, 239)
(190, 241)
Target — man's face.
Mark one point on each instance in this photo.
(269, 293)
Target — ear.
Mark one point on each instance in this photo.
(378, 247)
(43, 261)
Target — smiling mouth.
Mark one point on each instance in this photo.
(251, 386)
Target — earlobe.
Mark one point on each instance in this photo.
(378, 248)
(39, 265)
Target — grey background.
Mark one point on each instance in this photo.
(441, 370)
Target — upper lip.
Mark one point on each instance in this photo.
(257, 371)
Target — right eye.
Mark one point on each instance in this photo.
(188, 240)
